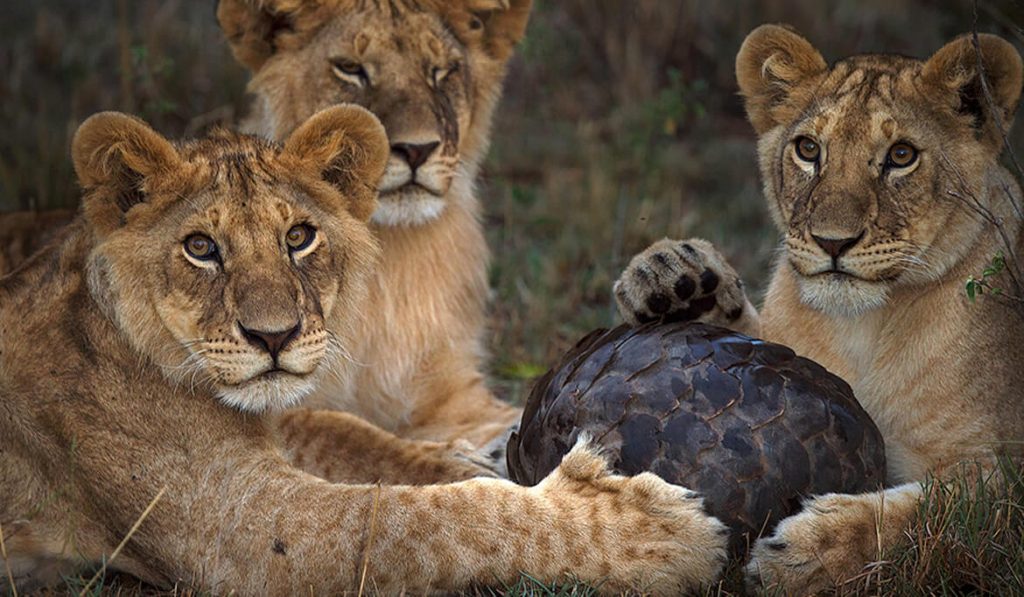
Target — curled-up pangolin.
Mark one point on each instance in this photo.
(747, 423)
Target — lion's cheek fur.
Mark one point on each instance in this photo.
(121, 292)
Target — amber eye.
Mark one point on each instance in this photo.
(349, 69)
(807, 149)
(440, 75)
(201, 247)
(300, 237)
(901, 155)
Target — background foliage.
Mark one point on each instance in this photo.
(620, 125)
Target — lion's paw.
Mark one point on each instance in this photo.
(494, 453)
(656, 537)
(472, 460)
(684, 281)
(831, 541)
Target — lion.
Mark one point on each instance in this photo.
(432, 71)
(209, 284)
(882, 172)
(25, 232)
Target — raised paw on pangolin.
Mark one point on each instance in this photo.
(684, 281)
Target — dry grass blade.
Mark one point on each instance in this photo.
(7, 563)
(120, 546)
(369, 540)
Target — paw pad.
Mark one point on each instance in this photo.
(708, 281)
(659, 304)
(684, 288)
(680, 281)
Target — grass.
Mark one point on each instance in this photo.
(620, 125)
(969, 540)
(970, 543)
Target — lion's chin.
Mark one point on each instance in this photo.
(410, 205)
(841, 295)
(269, 392)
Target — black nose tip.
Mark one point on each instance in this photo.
(415, 154)
(272, 342)
(836, 247)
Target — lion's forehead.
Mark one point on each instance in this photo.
(394, 35)
(226, 145)
(866, 101)
(247, 217)
(238, 197)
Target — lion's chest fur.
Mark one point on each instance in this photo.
(426, 304)
(915, 366)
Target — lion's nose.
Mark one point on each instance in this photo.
(272, 342)
(836, 247)
(415, 154)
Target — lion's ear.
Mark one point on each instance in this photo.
(771, 63)
(347, 147)
(498, 24)
(954, 70)
(258, 28)
(117, 152)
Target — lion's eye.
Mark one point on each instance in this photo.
(807, 149)
(350, 71)
(901, 155)
(300, 237)
(441, 74)
(201, 247)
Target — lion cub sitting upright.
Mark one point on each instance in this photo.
(207, 282)
(882, 172)
(432, 72)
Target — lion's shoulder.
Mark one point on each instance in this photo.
(23, 233)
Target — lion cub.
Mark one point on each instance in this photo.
(878, 171)
(207, 282)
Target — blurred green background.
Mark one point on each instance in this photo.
(620, 125)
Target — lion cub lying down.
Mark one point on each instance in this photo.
(207, 282)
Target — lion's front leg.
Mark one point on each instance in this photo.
(257, 526)
(685, 281)
(833, 539)
(343, 448)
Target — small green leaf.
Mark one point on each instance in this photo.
(971, 287)
(522, 370)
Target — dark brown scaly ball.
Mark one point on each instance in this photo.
(746, 423)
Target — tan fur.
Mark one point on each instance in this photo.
(25, 232)
(941, 376)
(417, 363)
(125, 372)
(685, 281)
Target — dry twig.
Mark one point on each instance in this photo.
(124, 542)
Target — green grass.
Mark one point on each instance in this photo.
(971, 541)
